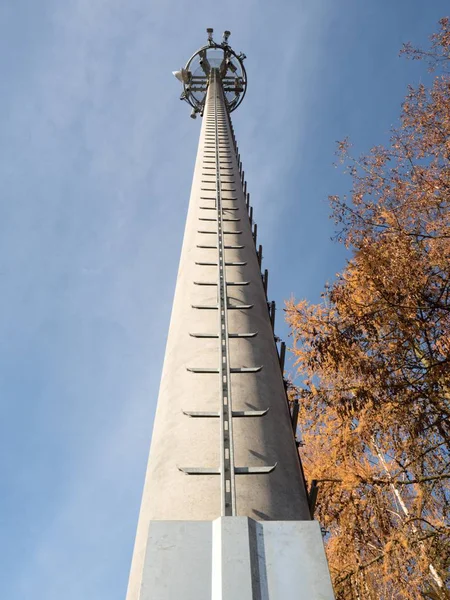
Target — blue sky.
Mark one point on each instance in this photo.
(96, 158)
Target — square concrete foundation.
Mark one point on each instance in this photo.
(235, 558)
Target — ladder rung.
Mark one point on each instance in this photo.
(205, 335)
(234, 247)
(254, 470)
(206, 246)
(202, 370)
(242, 335)
(250, 413)
(239, 306)
(235, 283)
(207, 307)
(199, 470)
(232, 370)
(206, 264)
(200, 414)
(215, 232)
(223, 208)
(237, 470)
(214, 219)
(205, 282)
(235, 263)
(230, 335)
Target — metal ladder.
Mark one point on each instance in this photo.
(227, 469)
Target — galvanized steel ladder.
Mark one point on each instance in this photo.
(215, 127)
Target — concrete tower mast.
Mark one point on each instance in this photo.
(225, 512)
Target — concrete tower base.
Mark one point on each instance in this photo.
(235, 558)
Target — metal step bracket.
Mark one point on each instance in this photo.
(237, 470)
(236, 413)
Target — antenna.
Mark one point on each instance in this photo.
(227, 65)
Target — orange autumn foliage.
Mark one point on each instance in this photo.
(374, 357)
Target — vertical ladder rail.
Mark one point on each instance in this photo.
(227, 467)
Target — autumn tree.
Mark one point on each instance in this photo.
(374, 358)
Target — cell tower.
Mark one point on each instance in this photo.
(225, 512)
